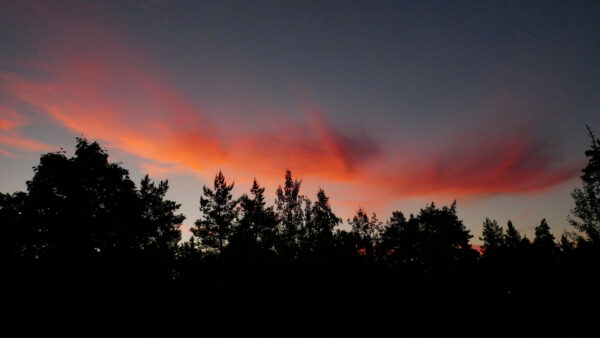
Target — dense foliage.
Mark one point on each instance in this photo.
(85, 251)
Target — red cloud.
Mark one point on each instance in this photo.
(481, 163)
(96, 84)
(93, 81)
(316, 149)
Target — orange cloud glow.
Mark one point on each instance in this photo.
(7, 153)
(10, 122)
(96, 83)
(478, 163)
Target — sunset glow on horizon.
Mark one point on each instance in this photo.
(388, 130)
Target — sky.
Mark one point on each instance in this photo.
(385, 105)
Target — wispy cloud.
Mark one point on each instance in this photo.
(94, 81)
(11, 137)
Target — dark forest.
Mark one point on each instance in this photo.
(86, 251)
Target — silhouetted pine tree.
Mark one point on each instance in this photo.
(214, 228)
(321, 222)
(257, 226)
(492, 237)
(512, 237)
(159, 214)
(544, 240)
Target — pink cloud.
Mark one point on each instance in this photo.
(97, 83)
(10, 122)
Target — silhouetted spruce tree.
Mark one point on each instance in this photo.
(321, 222)
(544, 240)
(587, 198)
(214, 227)
(290, 215)
(257, 226)
(160, 216)
(492, 237)
(512, 236)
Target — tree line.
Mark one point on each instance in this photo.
(85, 241)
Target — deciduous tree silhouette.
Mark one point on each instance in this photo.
(14, 232)
(86, 236)
(445, 237)
(84, 206)
(402, 240)
(366, 232)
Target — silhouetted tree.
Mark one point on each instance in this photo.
(84, 206)
(587, 198)
(401, 240)
(394, 232)
(366, 232)
(544, 240)
(492, 237)
(13, 230)
(290, 215)
(214, 227)
(445, 237)
(566, 243)
(344, 242)
(320, 223)
(513, 237)
(188, 257)
(525, 242)
(160, 216)
(84, 234)
(257, 226)
(308, 228)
